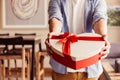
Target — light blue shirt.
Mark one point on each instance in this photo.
(94, 11)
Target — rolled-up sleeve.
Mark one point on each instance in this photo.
(54, 10)
(100, 11)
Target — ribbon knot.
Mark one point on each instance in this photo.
(69, 37)
(66, 39)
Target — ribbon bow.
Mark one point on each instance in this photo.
(66, 39)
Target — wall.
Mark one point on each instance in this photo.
(114, 33)
(0, 13)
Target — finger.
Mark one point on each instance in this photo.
(47, 42)
(105, 52)
(105, 48)
(105, 37)
(107, 43)
(52, 33)
(104, 56)
(49, 35)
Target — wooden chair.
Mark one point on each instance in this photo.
(39, 58)
(2, 47)
(10, 53)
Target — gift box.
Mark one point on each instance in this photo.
(76, 51)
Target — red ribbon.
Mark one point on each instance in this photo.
(68, 38)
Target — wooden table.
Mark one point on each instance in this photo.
(32, 41)
(110, 72)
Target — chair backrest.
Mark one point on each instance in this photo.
(28, 34)
(25, 34)
(11, 41)
(4, 34)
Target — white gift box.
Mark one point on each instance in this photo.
(83, 52)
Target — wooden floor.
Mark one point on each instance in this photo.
(112, 75)
(47, 75)
(110, 71)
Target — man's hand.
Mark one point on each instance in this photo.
(52, 33)
(48, 46)
(105, 50)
